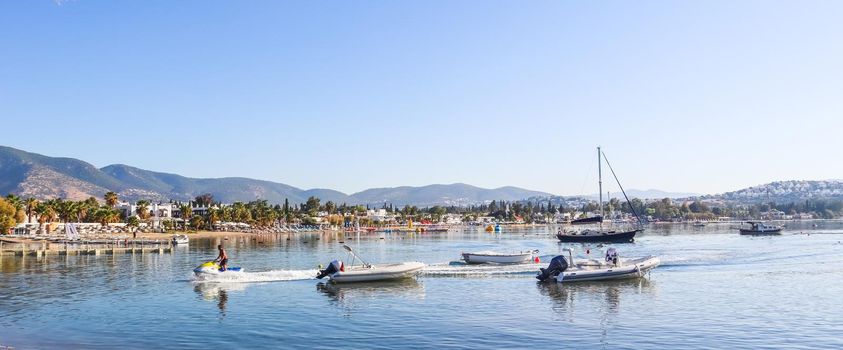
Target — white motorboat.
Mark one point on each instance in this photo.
(339, 272)
(371, 273)
(180, 239)
(499, 258)
(613, 268)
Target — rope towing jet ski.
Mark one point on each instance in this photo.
(338, 272)
(613, 268)
(214, 268)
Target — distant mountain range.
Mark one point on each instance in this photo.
(34, 175)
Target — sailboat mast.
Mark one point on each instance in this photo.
(600, 180)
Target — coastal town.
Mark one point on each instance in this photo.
(111, 215)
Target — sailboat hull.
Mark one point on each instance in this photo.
(605, 237)
(591, 220)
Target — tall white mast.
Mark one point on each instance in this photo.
(600, 181)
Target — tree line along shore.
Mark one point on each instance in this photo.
(204, 213)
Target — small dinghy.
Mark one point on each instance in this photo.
(213, 268)
(499, 258)
(339, 272)
(614, 268)
(180, 239)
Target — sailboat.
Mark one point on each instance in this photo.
(588, 220)
(601, 235)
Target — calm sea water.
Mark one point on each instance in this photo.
(715, 289)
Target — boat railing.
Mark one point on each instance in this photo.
(353, 256)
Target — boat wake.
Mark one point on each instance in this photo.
(458, 269)
(264, 276)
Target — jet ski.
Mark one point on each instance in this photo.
(213, 268)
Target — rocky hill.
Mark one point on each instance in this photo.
(34, 175)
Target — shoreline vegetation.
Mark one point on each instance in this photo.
(108, 218)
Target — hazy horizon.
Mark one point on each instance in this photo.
(683, 97)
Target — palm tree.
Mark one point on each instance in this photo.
(45, 212)
(196, 222)
(239, 212)
(111, 199)
(14, 201)
(133, 222)
(92, 202)
(225, 213)
(186, 212)
(142, 209)
(65, 209)
(106, 215)
(30, 204)
(213, 216)
(80, 211)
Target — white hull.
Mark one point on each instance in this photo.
(180, 239)
(205, 271)
(377, 272)
(481, 258)
(631, 268)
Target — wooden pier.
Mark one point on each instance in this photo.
(64, 249)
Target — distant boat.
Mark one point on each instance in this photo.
(180, 239)
(698, 224)
(760, 228)
(601, 235)
(499, 258)
(590, 220)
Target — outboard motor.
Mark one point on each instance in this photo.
(557, 266)
(333, 267)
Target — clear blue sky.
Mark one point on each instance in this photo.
(704, 96)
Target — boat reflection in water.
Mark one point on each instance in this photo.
(348, 294)
(606, 295)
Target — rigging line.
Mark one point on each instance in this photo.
(587, 176)
(621, 186)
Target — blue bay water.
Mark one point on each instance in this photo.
(715, 289)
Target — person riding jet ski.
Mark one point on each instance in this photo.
(556, 267)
